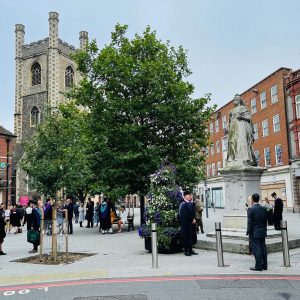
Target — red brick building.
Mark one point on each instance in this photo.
(6, 150)
(266, 100)
(293, 115)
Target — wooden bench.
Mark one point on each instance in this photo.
(129, 223)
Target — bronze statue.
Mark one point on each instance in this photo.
(241, 136)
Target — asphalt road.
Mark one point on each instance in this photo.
(256, 287)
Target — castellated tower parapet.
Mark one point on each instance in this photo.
(20, 34)
(53, 61)
(83, 39)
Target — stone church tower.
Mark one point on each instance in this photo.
(44, 72)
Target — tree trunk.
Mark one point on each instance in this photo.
(142, 208)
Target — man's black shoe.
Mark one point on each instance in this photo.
(187, 254)
(2, 253)
(255, 269)
(193, 252)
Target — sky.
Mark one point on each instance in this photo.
(232, 44)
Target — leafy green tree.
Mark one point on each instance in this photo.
(141, 110)
(58, 155)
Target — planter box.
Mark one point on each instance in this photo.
(174, 247)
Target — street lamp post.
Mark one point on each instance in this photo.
(7, 171)
(205, 186)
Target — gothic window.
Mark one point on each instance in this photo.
(36, 74)
(69, 77)
(34, 117)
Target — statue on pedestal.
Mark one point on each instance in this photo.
(241, 176)
(241, 136)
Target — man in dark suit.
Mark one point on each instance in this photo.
(277, 213)
(187, 221)
(90, 213)
(257, 231)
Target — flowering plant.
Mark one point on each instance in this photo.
(163, 203)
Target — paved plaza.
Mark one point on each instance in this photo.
(123, 255)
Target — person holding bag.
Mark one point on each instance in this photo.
(33, 235)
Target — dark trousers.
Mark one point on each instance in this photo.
(187, 236)
(70, 230)
(76, 218)
(199, 223)
(90, 222)
(276, 221)
(29, 224)
(260, 252)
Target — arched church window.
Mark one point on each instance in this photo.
(69, 77)
(34, 117)
(36, 74)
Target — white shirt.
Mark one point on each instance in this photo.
(123, 216)
(28, 210)
(7, 213)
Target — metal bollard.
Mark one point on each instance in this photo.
(154, 245)
(219, 244)
(285, 244)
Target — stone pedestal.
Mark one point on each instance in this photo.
(239, 184)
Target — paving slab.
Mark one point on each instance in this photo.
(123, 255)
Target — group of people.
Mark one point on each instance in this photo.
(18, 216)
(190, 217)
(274, 212)
(14, 218)
(102, 214)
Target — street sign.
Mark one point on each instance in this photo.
(2, 165)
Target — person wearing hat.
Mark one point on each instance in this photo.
(277, 213)
(187, 221)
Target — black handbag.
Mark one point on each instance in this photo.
(33, 236)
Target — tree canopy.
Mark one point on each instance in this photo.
(141, 111)
(58, 155)
(133, 111)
